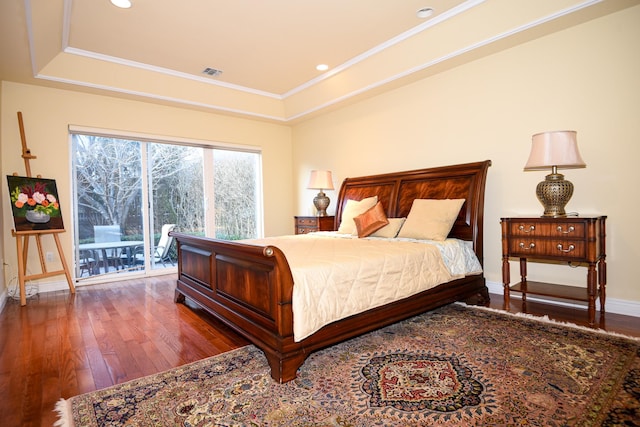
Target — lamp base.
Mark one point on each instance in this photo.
(554, 193)
(321, 202)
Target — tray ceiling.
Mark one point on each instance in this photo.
(267, 50)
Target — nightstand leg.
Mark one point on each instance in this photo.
(592, 291)
(602, 281)
(506, 277)
(523, 280)
(602, 263)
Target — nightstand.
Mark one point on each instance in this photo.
(307, 224)
(571, 239)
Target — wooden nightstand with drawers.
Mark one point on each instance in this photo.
(307, 224)
(571, 239)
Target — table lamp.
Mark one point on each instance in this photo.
(321, 180)
(557, 149)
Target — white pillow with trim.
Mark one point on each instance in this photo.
(390, 230)
(352, 209)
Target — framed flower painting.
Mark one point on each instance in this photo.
(34, 202)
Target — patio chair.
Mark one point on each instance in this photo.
(161, 253)
(87, 263)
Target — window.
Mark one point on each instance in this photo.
(130, 192)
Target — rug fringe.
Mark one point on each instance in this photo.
(63, 408)
(546, 319)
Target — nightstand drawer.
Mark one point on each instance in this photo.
(308, 221)
(555, 248)
(546, 229)
(569, 229)
(305, 230)
(308, 224)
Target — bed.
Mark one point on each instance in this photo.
(250, 287)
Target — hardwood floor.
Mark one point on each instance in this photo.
(59, 345)
(626, 325)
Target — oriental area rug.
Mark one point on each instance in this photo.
(454, 366)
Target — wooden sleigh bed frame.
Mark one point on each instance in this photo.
(250, 287)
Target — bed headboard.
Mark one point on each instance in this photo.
(397, 191)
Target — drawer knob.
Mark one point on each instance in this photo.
(531, 228)
(562, 249)
(571, 229)
(531, 245)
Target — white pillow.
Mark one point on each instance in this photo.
(390, 230)
(431, 219)
(352, 209)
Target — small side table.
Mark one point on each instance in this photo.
(571, 239)
(308, 224)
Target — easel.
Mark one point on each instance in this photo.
(22, 238)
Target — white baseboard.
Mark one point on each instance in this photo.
(613, 305)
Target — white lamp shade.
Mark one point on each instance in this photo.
(558, 148)
(320, 180)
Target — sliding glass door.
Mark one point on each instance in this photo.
(129, 194)
(176, 198)
(108, 221)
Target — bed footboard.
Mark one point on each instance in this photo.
(247, 287)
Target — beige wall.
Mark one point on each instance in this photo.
(48, 113)
(584, 78)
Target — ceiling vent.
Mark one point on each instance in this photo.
(212, 72)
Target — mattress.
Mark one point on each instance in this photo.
(336, 275)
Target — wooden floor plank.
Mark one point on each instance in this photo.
(60, 345)
(155, 357)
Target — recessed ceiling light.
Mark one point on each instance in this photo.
(322, 67)
(425, 12)
(124, 4)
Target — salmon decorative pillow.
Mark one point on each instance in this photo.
(371, 220)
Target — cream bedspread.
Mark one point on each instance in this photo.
(337, 276)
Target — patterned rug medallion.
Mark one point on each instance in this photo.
(455, 366)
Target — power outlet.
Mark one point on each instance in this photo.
(49, 256)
